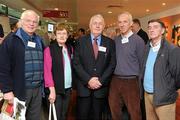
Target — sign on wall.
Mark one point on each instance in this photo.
(55, 13)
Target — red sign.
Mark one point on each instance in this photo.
(55, 13)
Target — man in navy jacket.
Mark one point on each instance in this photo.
(21, 65)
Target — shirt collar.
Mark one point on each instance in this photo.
(98, 39)
(127, 35)
(157, 47)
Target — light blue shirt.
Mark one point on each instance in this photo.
(67, 69)
(98, 39)
(149, 71)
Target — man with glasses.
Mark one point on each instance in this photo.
(160, 74)
(21, 65)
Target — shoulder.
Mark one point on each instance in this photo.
(136, 38)
(166, 44)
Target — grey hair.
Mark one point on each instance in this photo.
(97, 16)
(25, 13)
(128, 14)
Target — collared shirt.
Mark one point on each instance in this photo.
(67, 69)
(125, 38)
(128, 35)
(98, 39)
(157, 47)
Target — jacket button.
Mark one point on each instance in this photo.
(94, 69)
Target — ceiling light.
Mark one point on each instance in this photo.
(109, 12)
(163, 4)
(147, 10)
(56, 8)
(23, 8)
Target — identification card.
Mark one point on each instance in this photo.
(102, 49)
(31, 44)
(125, 40)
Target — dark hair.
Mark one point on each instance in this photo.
(137, 21)
(158, 21)
(82, 30)
(13, 25)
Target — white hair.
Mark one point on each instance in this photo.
(96, 16)
(128, 14)
(25, 13)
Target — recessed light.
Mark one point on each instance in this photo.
(23, 8)
(56, 8)
(109, 12)
(147, 10)
(163, 4)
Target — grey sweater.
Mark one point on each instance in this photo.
(129, 55)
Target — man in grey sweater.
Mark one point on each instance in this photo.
(124, 88)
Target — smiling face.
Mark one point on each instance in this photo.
(61, 36)
(29, 22)
(96, 25)
(124, 23)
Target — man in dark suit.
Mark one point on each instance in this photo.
(94, 62)
(136, 28)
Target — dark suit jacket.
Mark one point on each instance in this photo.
(86, 66)
(143, 35)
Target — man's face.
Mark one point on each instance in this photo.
(155, 30)
(96, 26)
(135, 27)
(61, 36)
(124, 23)
(29, 23)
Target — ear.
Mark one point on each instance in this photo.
(163, 31)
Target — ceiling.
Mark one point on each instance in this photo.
(80, 11)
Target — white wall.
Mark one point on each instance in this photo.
(166, 13)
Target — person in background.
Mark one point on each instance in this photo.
(124, 87)
(136, 28)
(160, 74)
(1, 34)
(14, 27)
(21, 65)
(94, 62)
(81, 32)
(58, 72)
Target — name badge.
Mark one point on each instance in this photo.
(102, 49)
(125, 40)
(31, 44)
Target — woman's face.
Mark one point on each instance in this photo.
(61, 36)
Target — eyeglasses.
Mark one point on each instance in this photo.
(30, 21)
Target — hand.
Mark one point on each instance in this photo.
(1, 40)
(52, 95)
(94, 83)
(178, 92)
(9, 97)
